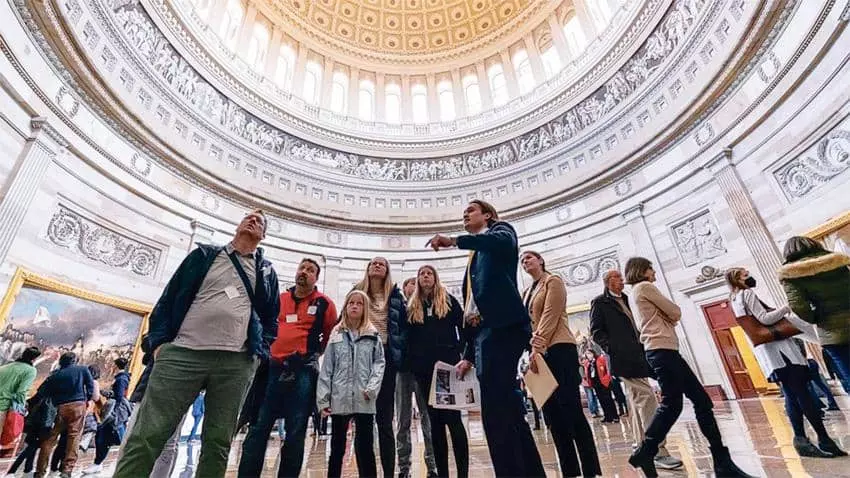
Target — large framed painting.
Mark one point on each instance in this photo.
(58, 318)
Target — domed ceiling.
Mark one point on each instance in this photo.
(404, 27)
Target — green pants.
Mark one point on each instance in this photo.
(178, 377)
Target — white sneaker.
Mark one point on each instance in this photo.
(93, 470)
(667, 462)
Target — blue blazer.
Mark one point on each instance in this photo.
(493, 275)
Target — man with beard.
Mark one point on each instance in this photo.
(213, 323)
(306, 319)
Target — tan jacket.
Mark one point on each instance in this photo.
(657, 316)
(548, 309)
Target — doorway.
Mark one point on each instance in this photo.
(735, 351)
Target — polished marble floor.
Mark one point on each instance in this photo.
(756, 431)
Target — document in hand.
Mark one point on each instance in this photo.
(453, 393)
(542, 384)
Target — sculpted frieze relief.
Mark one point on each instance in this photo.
(187, 83)
(827, 159)
(589, 270)
(698, 238)
(96, 242)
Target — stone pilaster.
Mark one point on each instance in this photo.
(759, 241)
(644, 246)
(330, 279)
(22, 184)
(201, 234)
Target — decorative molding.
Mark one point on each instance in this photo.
(99, 243)
(698, 238)
(708, 273)
(817, 166)
(588, 270)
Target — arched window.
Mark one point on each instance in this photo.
(551, 62)
(420, 103)
(339, 92)
(447, 100)
(366, 100)
(312, 81)
(524, 74)
(575, 36)
(472, 95)
(392, 103)
(231, 20)
(285, 66)
(498, 84)
(257, 47)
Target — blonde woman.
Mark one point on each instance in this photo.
(388, 314)
(350, 382)
(782, 361)
(435, 321)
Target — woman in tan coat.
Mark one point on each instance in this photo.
(546, 301)
(657, 319)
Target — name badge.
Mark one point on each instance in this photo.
(335, 338)
(231, 291)
(311, 310)
(290, 318)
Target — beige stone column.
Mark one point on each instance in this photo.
(298, 72)
(510, 75)
(484, 86)
(559, 40)
(22, 183)
(247, 28)
(585, 20)
(644, 246)
(327, 83)
(214, 15)
(330, 279)
(353, 92)
(380, 97)
(406, 100)
(273, 53)
(758, 239)
(457, 90)
(534, 57)
(433, 99)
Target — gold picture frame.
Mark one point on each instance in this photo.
(24, 278)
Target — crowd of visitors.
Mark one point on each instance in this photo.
(226, 343)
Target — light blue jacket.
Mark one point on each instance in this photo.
(350, 367)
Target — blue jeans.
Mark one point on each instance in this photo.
(840, 355)
(292, 401)
(592, 403)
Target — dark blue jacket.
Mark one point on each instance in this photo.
(168, 313)
(69, 384)
(120, 385)
(493, 273)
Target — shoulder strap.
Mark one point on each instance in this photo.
(242, 275)
(317, 327)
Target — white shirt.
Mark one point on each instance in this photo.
(769, 355)
(471, 310)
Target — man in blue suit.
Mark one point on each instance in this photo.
(493, 304)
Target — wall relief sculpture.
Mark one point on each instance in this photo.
(85, 237)
(158, 55)
(817, 166)
(698, 238)
(588, 270)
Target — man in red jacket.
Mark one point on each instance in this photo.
(304, 325)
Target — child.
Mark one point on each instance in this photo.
(349, 383)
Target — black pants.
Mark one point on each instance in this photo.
(606, 400)
(619, 396)
(363, 442)
(676, 380)
(385, 405)
(26, 458)
(565, 416)
(440, 420)
(509, 439)
(798, 401)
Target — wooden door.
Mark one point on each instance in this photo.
(721, 320)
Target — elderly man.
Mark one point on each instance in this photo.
(215, 320)
(613, 328)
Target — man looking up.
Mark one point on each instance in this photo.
(215, 320)
(493, 304)
(306, 319)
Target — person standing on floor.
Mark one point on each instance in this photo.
(435, 325)
(553, 342)
(782, 361)
(657, 318)
(613, 328)
(349, 384)
(306, 320)
(70, 389)
(16, 378)
(197, 415)
(388, 314)
(215, 320)
(114, 416)
(492, 303)
(405, 387)
(598, 376)
(816, 282)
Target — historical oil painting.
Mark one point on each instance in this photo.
(58, 318)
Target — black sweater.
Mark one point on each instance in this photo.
(437, 339)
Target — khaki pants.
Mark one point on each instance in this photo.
(642, 405)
